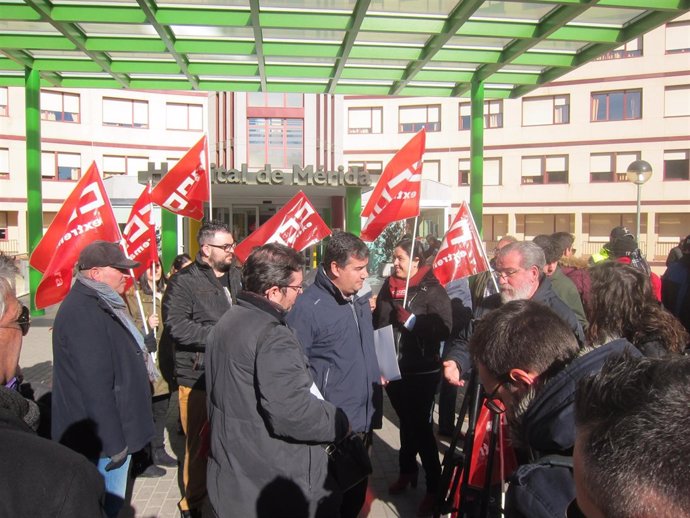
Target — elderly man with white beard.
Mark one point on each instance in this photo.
(519, 268)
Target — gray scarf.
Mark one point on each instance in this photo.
(119, 308)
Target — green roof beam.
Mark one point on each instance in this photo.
(19, 58)
(358, 15)
(303, 20)
(112, 44)
(90, 82)
(468, 55)
(199, 16)
(66, 65)
(392, 74)
(304, 50)
(455, 76)
(545, 59)
(587, 34)
(37, 42)
(97, 14)
(498, 29)
(10, 64)
(298, 71)
(373, 23)
(513, 78)
(224, 69)
(146, 67)
(160, 84)
(427, 91)
(198, 46)
(52, 78)
(18, 12)
(258, 41)
(656, 5)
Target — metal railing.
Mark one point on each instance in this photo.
(9, 246)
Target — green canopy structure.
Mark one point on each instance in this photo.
(363, 47)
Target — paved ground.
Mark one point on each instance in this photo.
(158, 497)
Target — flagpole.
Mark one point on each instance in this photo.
(486, 258)
(208, 175)
(139, 303)
(153, 282)
(409, 266)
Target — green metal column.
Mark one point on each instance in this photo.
(353, 210)
(168, 238)
(477, 153)
(34, 196)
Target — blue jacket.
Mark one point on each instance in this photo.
(340, 350)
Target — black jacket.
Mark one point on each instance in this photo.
(548, 428)
(340, 350)
(99, 378)
(266, 424)
(40, 478)
(193, 302)
(459, 349)
(418, 349)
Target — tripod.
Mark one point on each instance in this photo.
(474, 502)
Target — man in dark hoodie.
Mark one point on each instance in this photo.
(334, 326)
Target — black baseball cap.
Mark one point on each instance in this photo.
(104, 253)
(619, 232)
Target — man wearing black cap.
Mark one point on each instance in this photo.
(101, 403)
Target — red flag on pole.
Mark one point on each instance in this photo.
(397, 193)
(140, 234)
(184, 189)
(460, 254)
(296, 225)
(86, 216)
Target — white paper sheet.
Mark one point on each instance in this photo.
(385, 353)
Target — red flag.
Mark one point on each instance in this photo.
(140, 234)
(184, 189)
(397, 193)
(460, 254)
(86, 216)
(296, 225)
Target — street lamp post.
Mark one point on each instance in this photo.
(639, 172)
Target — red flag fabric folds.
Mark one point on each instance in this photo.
(460, 254)
(86, 216)
(140, 233)
(397, 193)
(184, 189)
(296, 225)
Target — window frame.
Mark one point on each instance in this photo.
(687, 171)
(56, 166)
(545, 173)
(552, 98)
(187, 107)
(615, 176)
(468, 171)
(431, 127)
(686, 24)
(5, 109)
(487, 114)
(127, 159)
(623, 52)
(44, 113)
(266, 142)
(351, 131)
(608, 94)
(671, 88)
(5, 174)
(132, 103)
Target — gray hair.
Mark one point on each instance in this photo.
(8, 274)
(531, 254)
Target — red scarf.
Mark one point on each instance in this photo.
(397, 286)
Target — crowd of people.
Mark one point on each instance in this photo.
(586, 362)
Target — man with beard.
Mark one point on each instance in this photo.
(195, 299)
(519, 269)
(529, 363)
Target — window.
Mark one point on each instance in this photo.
(59, 106)
(3, 101)
(275, 100)
(610, 167)
(365, 120)
(491, 174)
(677, 101)
(617, 106)
(542, 111)
(279, 142)
(632, 49)
(4, 163)
(414, 118)
(184, 116)
(677, 37)
(60, 166)
(125, 113)
(3, 226)
(431, 170)
(493, 114)
(124, 165)
(545, 169)
(373, 168)
(676, 165)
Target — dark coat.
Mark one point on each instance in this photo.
(340, 350)
(43, 479)
(675, 289)
(419, 348)
(459, 348)
(548, 428)
(99, 377)
(193, 302)
(266, 424)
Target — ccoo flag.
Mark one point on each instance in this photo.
(296, 225)
(140, 234)
(397, 193)
(460, 254)
(184, 189)
(86, 216)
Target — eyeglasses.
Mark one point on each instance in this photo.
(23, 321)
(227, 247)
(492, 402)
(505, 274)
(574, 511)
(298, 288)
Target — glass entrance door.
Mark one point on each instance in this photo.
(245, 220)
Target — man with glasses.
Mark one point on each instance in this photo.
(40, 477)
(195, 299)
(101, 401)
(529, 361)
(334, 326)
(520, 273)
